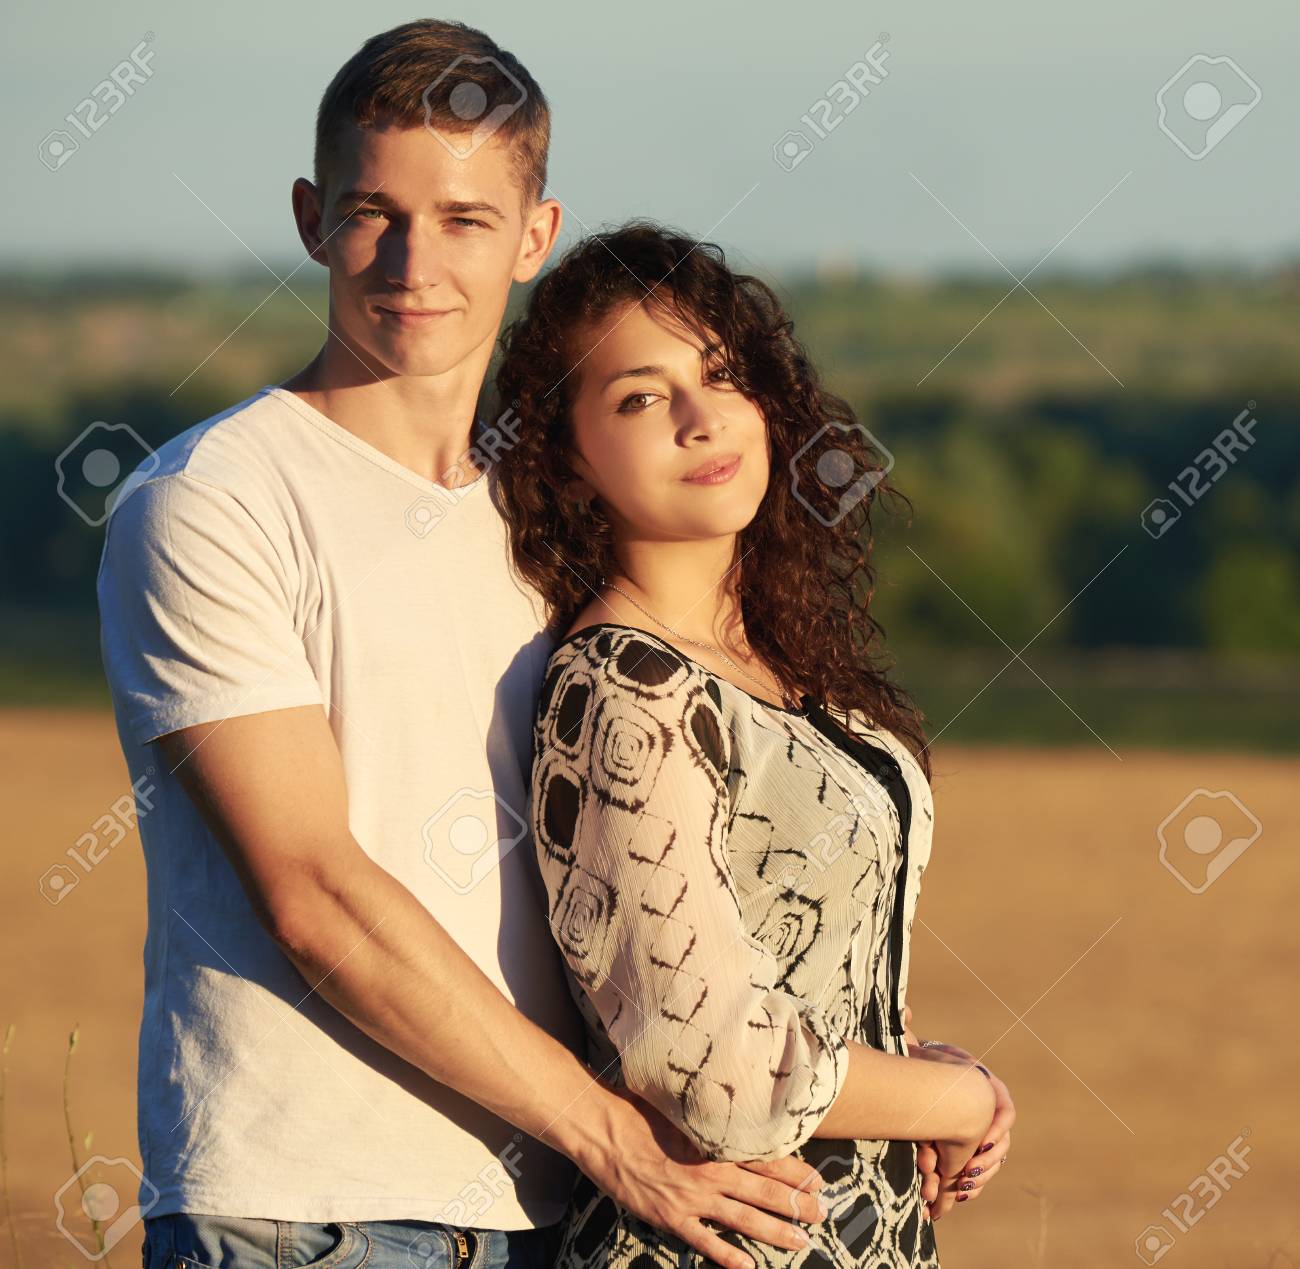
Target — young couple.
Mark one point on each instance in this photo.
(451, 727)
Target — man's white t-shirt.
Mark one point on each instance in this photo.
(270, 559)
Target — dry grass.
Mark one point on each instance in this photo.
(1156, 1029)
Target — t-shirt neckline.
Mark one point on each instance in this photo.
(323, 423)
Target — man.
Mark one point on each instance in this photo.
(353, 1048)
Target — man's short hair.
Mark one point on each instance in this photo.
(445, 75)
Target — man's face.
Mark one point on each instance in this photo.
(422, 246)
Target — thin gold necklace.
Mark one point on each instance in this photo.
(712, 647)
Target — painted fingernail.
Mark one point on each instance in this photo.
(974, 1171)
(967, 1185)
(961, 1198)
(988, 1145)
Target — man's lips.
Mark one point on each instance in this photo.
(716, 471)
(411, 316)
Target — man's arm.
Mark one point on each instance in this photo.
(271, 787)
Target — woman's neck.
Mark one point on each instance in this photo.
(691, 588)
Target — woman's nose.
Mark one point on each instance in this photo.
(699, 416)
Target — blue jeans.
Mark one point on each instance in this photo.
(188, 1241)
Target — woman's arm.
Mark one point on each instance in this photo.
(630, 807)
(988, 1159)
(887, 1096)
(630, 814)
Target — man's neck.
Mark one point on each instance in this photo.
(422, 422)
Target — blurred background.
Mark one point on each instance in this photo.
(1051, 258)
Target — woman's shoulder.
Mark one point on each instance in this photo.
(628, 658)
(632, 668)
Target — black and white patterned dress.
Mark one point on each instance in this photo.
(732, 885)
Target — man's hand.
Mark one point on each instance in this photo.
(653, 1169)
(992, 1151)
(271, 787)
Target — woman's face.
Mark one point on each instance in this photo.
(652, 417)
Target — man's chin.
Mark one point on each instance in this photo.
(410, 359)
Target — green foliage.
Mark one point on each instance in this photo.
(1026, 463)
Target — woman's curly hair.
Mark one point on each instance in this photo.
(805, 578)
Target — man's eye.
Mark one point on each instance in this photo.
(362, 213)
(467, 220)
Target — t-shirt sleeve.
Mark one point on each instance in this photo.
(196, 615)
(630, 814)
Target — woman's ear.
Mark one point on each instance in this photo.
(579, 487)
(580, 490)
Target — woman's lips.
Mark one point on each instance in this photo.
(719, 475)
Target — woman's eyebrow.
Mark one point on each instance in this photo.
(634, 373)
(637, 372)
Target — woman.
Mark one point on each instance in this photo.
(731, 802)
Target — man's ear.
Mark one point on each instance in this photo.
(541, 229)
(308, 215)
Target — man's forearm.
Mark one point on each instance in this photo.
(375, 953)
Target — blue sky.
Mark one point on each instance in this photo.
(1010, 124)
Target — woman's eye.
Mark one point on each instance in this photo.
(721, 375)
(627, 406)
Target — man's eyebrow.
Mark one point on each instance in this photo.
(451, 207)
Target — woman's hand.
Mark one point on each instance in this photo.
(968, 1179)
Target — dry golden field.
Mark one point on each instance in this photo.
(1142, 1027)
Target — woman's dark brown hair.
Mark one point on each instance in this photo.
(804, 574)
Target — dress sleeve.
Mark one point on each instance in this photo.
(630, 814)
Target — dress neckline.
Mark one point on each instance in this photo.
(806, 702)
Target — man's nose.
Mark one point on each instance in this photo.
(411, 261)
